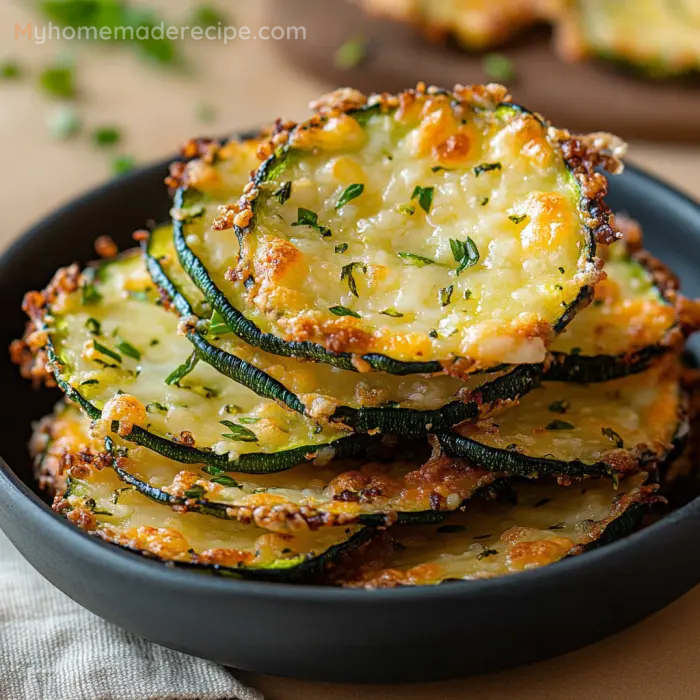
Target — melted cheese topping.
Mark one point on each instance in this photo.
(337, 489)
(100, 503)
(132, 389)
(661, 36)
(591, 423)
(627, 314)
(322, 387)
(499, 309)
(140, 524)
(546, 524)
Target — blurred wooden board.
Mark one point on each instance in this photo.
(581, 97)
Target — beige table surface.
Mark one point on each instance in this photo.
(250, 84)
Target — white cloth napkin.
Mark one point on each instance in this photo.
(53, 649)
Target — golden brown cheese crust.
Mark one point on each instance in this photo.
(60, 448)
(518, 547)
(275, 271)
(624, 423)
(637, 308)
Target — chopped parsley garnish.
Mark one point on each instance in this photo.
(206, 16)
(576, 351)
(483, 201)
(116, 494)
(89, 294)
(58, 81)
(561, 406)
(343, 311)
(195, 491)
(351, 53)
(392, 312)
(407, 209)
(417, 260)
(424, 195)
(347, 273)
(122, 19)
(106, 351)
(562, 270)
(206, 391)
(306, 217)
(467, 294)
(156, 407)
(128, 349)
(498, 67)
(465, 253)
(212, 470)
(517, 218)
(284, 192)
(225, 480)
(179, 373)
(106, 136)
(445, 295)
(93, 326)
(351, 192)
(341, 248)
(249, 420)
(154, 342)
(438, 168)
(615, 437)
(486, 552)
(558, 526)
(63, 123)
(138, 294)
(123, 164)
(239, 433)
(433, 333)
(89, 382)
(560, 425)
(10, 69)
(449, 529)
(486, 167)
(217, 324)
(232, 408)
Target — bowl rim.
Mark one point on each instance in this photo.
(166, 574)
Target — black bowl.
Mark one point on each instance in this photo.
(318, 633)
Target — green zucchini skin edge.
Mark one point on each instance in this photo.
(590, 369)
(622, 526)
(594, 209)
(251, 463)
(250, 333)
(227, 364)
(619, 528)
(495, 459)
(302, 572)
(314, 517)
(401, 421)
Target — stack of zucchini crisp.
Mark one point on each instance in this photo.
(395, 344)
